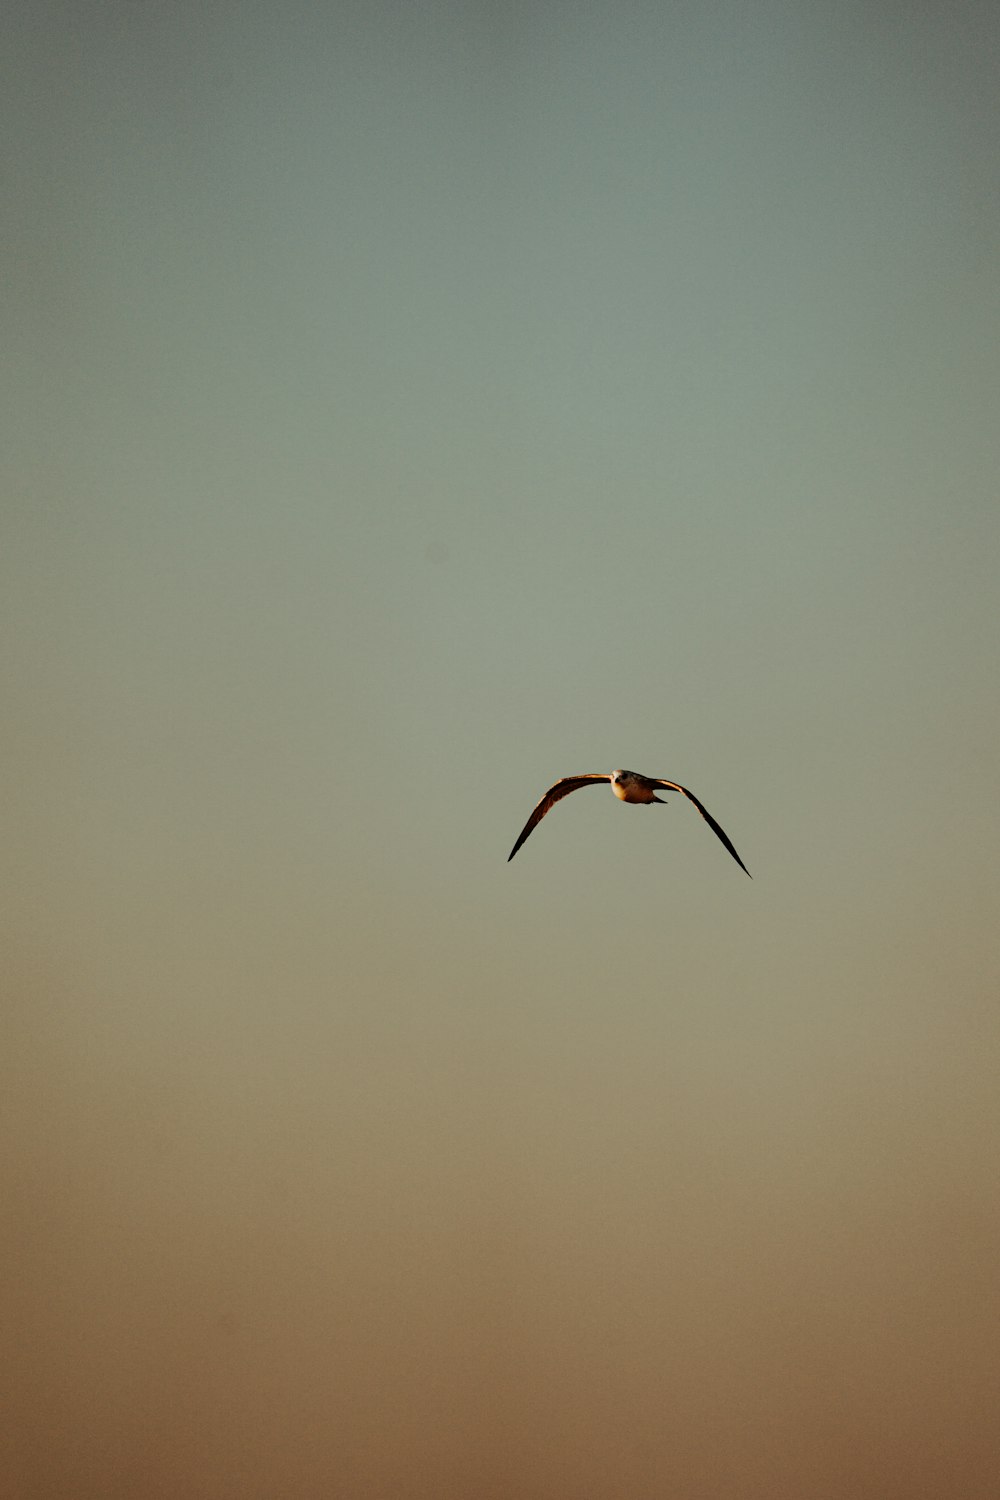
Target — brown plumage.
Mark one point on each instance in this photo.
(629, 786)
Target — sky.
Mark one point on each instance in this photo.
(408, 406)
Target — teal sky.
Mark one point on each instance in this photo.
(408, 406)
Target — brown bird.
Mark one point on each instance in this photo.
(630, 787)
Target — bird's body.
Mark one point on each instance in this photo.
(631, 787)
(628, 786)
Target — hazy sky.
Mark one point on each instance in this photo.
(408, 405)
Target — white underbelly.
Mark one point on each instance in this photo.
(632, 791)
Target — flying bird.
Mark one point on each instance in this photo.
(630, 787)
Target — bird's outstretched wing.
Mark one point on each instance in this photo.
(552, 796)
(720, 833)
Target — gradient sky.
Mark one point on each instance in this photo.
(408, 405)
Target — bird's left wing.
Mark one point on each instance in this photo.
(552, 796)
(720, 833)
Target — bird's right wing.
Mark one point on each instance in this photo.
(552, 796)
(720, 833)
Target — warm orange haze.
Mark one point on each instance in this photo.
(407, 406)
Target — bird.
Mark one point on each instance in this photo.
(629, 786)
